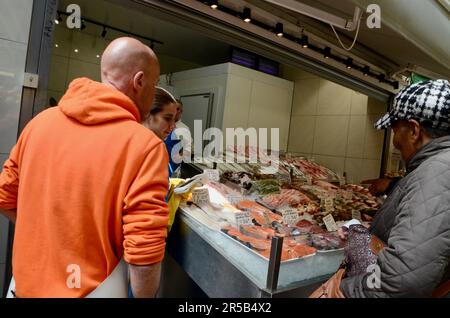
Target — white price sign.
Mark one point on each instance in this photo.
(330, 223)
(266, 218)
(268, 170)
(356, 215)
(212, 174)
(200, 196)
(234, 199)
(328, 203)
(290, 216)
(243, 218)
(347, 195)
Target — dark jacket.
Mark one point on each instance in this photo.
(414, 222)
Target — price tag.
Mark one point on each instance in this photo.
(200, 196)
(347, 195)
(328, 204)
(234, 199)
(212, 174)
(266, 218)
(268, 170)
(330, 223)
(356, 215)
(290, 215)
(284, 178)
(308, 180)
(243, 218)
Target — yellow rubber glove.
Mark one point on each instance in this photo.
(175, 199)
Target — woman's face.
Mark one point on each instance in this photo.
(163, 122)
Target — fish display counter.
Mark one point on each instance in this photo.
(223, 267)
(243, 233)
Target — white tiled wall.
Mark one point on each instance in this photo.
(66, 64)
(258, 100)
(356, 134)
(15, 20)
(238, 98)
(333, 162)
(333, 99)
(12, 66)
(300, 138)
(334, 125)
(262, 114)
(306, 97)
(330, 135)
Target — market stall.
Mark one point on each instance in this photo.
(246, 230)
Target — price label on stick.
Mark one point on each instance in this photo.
(268, 170)
(290, 215)
(266, 218)
(200, 196)
(347, 195)
(328, 204)
(234, 199)
(212, 174)
(243, 218)
(330, 223)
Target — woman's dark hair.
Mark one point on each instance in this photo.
(161, 100)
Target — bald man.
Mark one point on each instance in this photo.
(86, 185)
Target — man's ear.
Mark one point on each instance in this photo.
(415, 129)
(138, 80)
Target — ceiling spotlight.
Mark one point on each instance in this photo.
(247, 15)
(83, 25)
(279, 29)
(214, 4)
(303, 41)
(56, 45)
(366, 70)
(104, 32)
(327, 52)
(349, 63)
(76, 50)
(59, 19)
(98, 56)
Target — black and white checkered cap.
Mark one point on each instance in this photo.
(428, 102)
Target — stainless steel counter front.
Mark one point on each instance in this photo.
(222, 267)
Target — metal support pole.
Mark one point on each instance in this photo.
(274, 263)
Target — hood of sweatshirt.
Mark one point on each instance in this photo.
(93, 103)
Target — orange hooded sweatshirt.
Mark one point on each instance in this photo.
(89, 184)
